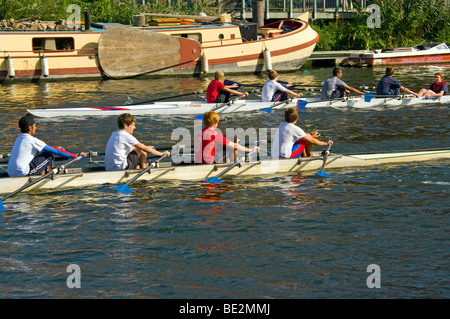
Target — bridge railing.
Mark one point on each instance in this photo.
(289, 6)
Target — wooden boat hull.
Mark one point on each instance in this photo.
(222, 46)
(200, 107)
(167, 171)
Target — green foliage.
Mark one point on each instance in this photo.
(403, 23)
(119, 11)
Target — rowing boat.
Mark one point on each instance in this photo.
(79, 177)
(240, 105)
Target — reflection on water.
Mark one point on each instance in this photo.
(278, 236)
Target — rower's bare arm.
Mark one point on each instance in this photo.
(355, 90)
(235, 92)
(151, 149)
(293, 93)
(315, 141)
(242, 148)
(408, 90)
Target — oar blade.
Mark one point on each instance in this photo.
(301, 104)
(213, 180)
(368, 97)
(198, 117)
(323, 174)
(2, 208)
(123, 189)
(150, 51)
(267, 109)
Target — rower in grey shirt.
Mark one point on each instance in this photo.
(334, 87)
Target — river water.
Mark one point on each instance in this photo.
(282, 236)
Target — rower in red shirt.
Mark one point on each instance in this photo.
(218, 92)
(209, 139)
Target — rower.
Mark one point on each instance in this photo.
(30, 155)
(290, 141)
(437, 89)
(123, 150)
(274, 91)
(390, 86)
(209, 139)
(334, 87)
(218, 92)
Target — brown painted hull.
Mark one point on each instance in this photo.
(232, 54)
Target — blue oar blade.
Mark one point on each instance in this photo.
(323, 174)
(266, 109)
(367, 97)
(213, 180)
(301, 104)
(2, 208)
(123, 189)
(198, 117)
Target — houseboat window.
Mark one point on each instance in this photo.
(193, 36)
(53, 44)
(221, 36)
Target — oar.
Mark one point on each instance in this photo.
(321, 173)
(301, 104)
(368, 97)
(168, 97)
(37, 180)
(217, 180)
(229, 83)
(124, 187)
(126, 52)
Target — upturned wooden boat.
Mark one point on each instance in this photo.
(239, 105)
(425, 53)
(79, 177)
(119, 51)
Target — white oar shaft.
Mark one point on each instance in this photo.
(325, 156)
(142, 172)
(234, 165)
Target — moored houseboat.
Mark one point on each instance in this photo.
(41, 53)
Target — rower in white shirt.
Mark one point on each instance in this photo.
(290, 141)
(273, 91)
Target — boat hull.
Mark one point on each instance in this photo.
(423, 59)
(200, 107)
(232, 54)
(437, 53)
(88, 177)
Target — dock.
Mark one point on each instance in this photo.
(333, 58)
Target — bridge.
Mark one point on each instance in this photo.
(283, 9)
(318, 9)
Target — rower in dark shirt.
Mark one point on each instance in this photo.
(390, 86)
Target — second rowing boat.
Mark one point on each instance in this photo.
(200, 107)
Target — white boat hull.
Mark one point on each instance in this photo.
(200, 107)
(439, 53)
(87, 177)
